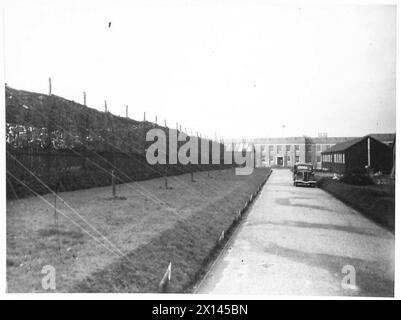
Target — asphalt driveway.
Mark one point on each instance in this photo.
(303, 241)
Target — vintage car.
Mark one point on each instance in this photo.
(303, 175)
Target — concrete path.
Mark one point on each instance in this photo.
(302, 241)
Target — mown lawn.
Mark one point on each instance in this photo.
(149, 226)
(376, 202)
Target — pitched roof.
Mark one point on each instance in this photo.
(383, 137)
(347, 144)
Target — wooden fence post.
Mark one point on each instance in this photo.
(113, 183)
(166, 279)
(221, 238)
(56, 218)
(50, 86)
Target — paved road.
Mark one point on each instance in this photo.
(296, 241)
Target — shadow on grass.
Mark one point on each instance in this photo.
(375, 202)
(50, 232)
(188, 245)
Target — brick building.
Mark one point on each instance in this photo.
(285, 152)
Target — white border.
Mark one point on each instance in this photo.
(104, 296)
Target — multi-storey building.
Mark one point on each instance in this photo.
(285, 152)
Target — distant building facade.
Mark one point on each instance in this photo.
(285, 152)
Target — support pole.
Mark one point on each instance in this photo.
(50, 86)
(166, 279)
(56, 218)
(113, 183)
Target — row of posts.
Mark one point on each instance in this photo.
(178, 127)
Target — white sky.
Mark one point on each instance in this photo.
(242, 69)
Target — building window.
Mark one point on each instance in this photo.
(279, 148)
(318, 147)
(341, 160)
(296, 147)
(308, 148)
(262, 149)
(318, 159)
(296, 159)
(271, 148)
(288, 159)
(288, 148)
(271, 158)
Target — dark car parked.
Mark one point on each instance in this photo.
(303, 175)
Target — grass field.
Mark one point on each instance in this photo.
(148, 227)
(376, 202)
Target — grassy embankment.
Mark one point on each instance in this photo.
(182, 228)
(377, 202)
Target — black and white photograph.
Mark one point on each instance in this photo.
(204, 149)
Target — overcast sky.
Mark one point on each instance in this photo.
(242, 70)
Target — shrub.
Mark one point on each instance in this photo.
(358, 179)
